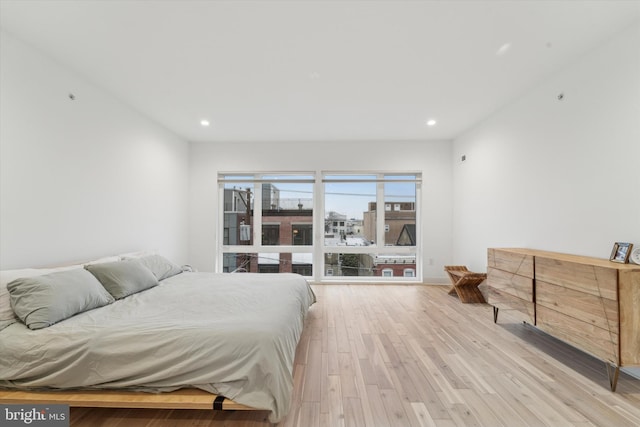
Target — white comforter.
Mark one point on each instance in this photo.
(229, 334)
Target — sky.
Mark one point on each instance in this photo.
(347, 198)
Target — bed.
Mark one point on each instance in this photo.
(233, 335)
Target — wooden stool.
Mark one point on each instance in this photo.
(465, 283)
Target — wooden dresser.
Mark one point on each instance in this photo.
(590, 303)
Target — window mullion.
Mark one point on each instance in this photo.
(257, 215)
(380, 211)
(318, 227)
(418, 246)
(219, 239)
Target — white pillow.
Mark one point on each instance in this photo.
(103, 260)
(7, 316)
(123, 278)
(161, 267)
(137, 254)
(42, 301)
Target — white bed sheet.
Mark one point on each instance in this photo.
(229, 334)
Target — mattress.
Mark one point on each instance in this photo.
(230, 334)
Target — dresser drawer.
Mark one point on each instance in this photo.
(510, 283)
(593, 279)
(511, 261)
(594, 310)
(629, 289)
(585, 336)
(523, 310)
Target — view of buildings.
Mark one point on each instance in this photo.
(289, 222)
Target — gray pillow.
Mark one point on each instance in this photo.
(161, 267)
(123, 278)
(44, 300)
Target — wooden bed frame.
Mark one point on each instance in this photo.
(188, 398)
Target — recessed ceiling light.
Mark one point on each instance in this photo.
(204, 122)
(503, 49)
(431, 122)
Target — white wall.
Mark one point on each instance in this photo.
(556, 175)
(85, 178)
(431, 158)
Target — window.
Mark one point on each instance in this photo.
(280, 208)
(239, 262)
(303, 269)
(268, 268)
(301, 263)
(302, 234)
(326, 220)
(349, 264)
(348, 198)
(288, 201)
(270, 234)
(237, 211)
(401, 192)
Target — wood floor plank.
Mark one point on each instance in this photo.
(336, 407)
(311, 390)
(507, 413)
(422, 414)
(365, 402)
(332, 352)
(309, 415)
(463, 415)
(482, 411)
(403, 384)
(324, 384)
(428, 396)
(353, 413)
(380, 417)
(396, 414)
(347, 375)
(397, 355)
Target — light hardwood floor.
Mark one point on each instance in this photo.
(395, 355)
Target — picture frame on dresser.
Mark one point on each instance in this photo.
(620, 252)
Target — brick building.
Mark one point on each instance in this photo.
(396, 216)
(280, 227)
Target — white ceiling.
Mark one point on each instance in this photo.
(316, 70)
